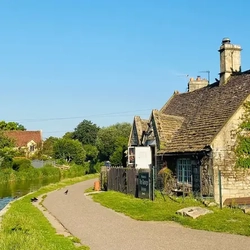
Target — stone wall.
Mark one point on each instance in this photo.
(235, 182)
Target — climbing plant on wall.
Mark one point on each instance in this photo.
(242, 150)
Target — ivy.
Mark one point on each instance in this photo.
(242, 150)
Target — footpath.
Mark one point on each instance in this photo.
(103, 229)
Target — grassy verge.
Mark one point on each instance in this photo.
(222, 220)
(89, 190)
(25, 227)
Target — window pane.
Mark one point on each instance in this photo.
(184, 168)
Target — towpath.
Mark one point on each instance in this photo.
(103, 229)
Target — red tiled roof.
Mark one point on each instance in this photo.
(23, 137)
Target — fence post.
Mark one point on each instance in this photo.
(153, 183)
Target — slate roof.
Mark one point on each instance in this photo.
(21, 138)
(204, 112)
(141, 125)
(166, 126)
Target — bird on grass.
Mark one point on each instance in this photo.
(66, 192)
(33, 199)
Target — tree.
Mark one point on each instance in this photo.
(48, 146)
(69, 150)
(118, 156)
(11, 126)
(91, 153)
(68, 135)
(6, 141)
(6, 151)
(112, 138)
(86, 132)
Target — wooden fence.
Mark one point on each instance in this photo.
(119, 179)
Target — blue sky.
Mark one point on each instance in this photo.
(106, 61)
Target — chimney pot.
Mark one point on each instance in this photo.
(225, 40)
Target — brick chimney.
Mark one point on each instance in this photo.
(197, 83)
(230, 59)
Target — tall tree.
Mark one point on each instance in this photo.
(48, 146)
(11, 126)
(118, 156)
(69, 150)
(6, 142)
(112, 138)
(68, 135)
(86, 132)
(6, 151)
(91, 153)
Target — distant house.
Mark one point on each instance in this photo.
(195, 133)
(29, 141)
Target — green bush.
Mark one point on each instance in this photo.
(97, 166)
(75, 171)
(21, 164)
(6, 162)
(49, 171)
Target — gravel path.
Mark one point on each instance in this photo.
(103, 229)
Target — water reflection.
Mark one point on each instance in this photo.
(9, 191)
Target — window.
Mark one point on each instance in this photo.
(184, 169)
(32, 148)
(131, 155)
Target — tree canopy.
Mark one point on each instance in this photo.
(112, 141)
(86, 132)
(48, 146)
(69, 150)
(91, 152)
(11, 126)
(6, 142)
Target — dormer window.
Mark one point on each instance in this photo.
(32, 148)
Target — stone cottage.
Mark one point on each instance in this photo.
(196, 133)
(29, 141)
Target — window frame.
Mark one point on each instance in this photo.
(186, 163)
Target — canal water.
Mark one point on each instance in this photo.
(10, 191)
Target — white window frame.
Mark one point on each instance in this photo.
(186, 164)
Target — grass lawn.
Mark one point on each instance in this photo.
(25, 227)
(89, 190)
(222, 220)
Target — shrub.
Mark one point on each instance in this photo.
(21, 164)
(49, 171)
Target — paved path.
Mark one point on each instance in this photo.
(103, 229)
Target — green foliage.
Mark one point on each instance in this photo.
(26, 172)
(86, 132)
(49, 171)
(91, 152)
(97, 167)
(6, 141)
(118, 157)
(11, 126)
(6, 161)
(69, 150)
(21, 164)
(111, 138)
(242, 149)
(75, 170)
(48, 146)
(68, 135)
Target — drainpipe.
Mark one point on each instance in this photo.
(220, 188)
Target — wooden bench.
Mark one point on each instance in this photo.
(237, 201)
